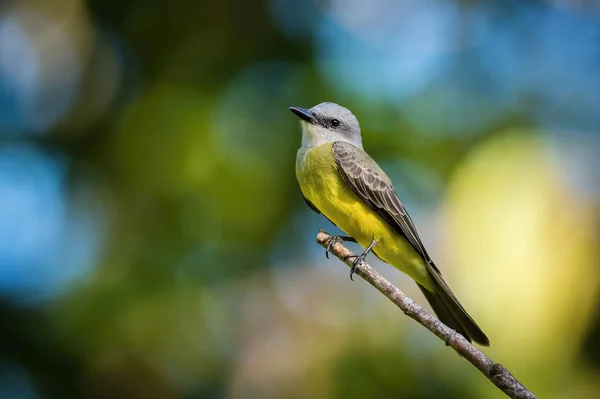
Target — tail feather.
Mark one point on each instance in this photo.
(449, 310)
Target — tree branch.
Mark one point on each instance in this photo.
(496, 373)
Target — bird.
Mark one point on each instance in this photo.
(339, 180)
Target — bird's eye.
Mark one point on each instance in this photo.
(335, 123)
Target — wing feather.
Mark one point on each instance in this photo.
(362, 174)
(373, 186)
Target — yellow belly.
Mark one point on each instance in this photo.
(322, 185)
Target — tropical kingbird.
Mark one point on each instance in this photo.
(341, 181)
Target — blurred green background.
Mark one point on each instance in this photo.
(154, 242)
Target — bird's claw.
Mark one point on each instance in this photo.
(336, 240)
(355, 262)
(359, 258)
(333, 240)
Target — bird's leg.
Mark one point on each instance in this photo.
(359, 258)
(337, 239)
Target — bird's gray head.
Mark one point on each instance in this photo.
(326, 123)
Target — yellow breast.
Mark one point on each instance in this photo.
(322, 185)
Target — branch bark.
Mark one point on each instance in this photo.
(495, 372)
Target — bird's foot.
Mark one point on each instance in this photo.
(355, 262)
(335, 240)
(359, 258)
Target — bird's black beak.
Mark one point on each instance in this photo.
(304, 114)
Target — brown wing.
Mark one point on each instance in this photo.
(371, 184)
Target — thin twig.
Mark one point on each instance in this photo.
(495, 372)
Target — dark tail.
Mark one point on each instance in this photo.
(450, 311)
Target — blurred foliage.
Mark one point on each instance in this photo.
(154, 243)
